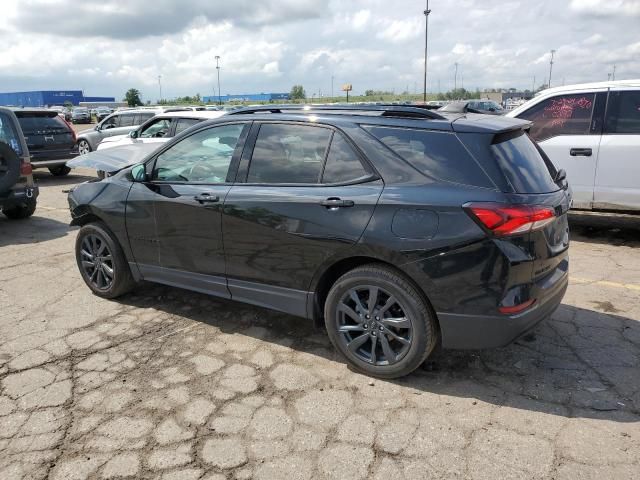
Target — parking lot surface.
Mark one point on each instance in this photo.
(164, 383)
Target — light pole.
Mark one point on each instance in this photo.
(331, 88)
(426, 37)
(613, 75)
(455, 77)
(218, 69)
(160, 86)
(551, 66)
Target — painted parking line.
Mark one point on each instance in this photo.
(606, 283)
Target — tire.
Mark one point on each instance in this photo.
(408, 316)
(83, 147)
(19, 212)
(9, 167)
(60, 171)
(95, 238)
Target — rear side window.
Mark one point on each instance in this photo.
(140, 118)
(126, 120)
(8, 134)
(523, 164)
(288, 154)
(184, 123)
(34, 123)
(623, 112)
(561, 115)
(436, 154)
(343, 164)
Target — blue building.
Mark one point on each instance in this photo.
(48, 98)
(248, 97)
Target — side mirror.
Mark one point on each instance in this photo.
(133, 134)
(561, 176)
(139, 173)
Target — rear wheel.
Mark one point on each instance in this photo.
(378, 320)
(24, 210)
(83, 147)
(60, 171)
(102, 263)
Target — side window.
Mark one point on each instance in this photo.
(288, 154)
(561, 115)
(342, 164)
(437, 154)
(623, 112)
(184, 123)
(203, 157)
(126, 120)
(156, 129)
(8, 134)
(111, 122)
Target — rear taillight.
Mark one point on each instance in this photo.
(504, 220)
(73, 132)
(514, 309)
(25, 168)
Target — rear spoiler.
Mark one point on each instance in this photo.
(488, 124)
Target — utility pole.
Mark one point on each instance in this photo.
(332, 88)
(455, 77)
(551, 67)
(426, 37)
(608, 76)
(160, 86)
(533, 88)
(613, 75)
(218, 69)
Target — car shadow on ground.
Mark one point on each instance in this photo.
(34, 229)
(609, 229)
(580, 363)
(44, 179)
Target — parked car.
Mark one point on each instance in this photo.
(18, 192)
(399, 227)
(81, 115)
(51, 140)
(118, 123)
(160, 128)
(488, 107)
(102, 113)
(64, 112)
(593, 132)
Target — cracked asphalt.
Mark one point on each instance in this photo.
(168, 384)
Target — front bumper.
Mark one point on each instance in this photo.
(464, 331)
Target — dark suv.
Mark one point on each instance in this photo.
(399, 227)
(51, 140)
(18, 192)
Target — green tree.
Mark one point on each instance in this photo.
(132, 97)
(297, 93)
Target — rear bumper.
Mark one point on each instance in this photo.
(54, 158)
(18, 196)
(461, 331)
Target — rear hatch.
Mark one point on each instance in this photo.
(47, 135)
(528, 178)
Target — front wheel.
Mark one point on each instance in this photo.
(101, 261)
(378, 320)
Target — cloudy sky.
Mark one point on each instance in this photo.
(108, 46)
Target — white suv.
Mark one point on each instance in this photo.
(592, 131)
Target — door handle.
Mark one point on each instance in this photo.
(580, 152)
(206, 198)
(335, 202)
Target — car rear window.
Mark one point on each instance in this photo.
(439, 155)
(33, 123)
(523, 163)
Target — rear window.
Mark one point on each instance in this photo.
(32, 123)
(523, 164)
(436, 154)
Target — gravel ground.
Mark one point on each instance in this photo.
(169, 384)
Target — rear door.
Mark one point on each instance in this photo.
(47, 135)
(303, 197)
(617, 183)
(568, 128)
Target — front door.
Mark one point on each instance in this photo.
(307, 198)
(189, 182)
(568, 128)
(618, 175)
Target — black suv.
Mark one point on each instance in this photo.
(399, 227)
(18, 192)
(51, 140)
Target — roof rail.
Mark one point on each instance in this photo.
(401, 111)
